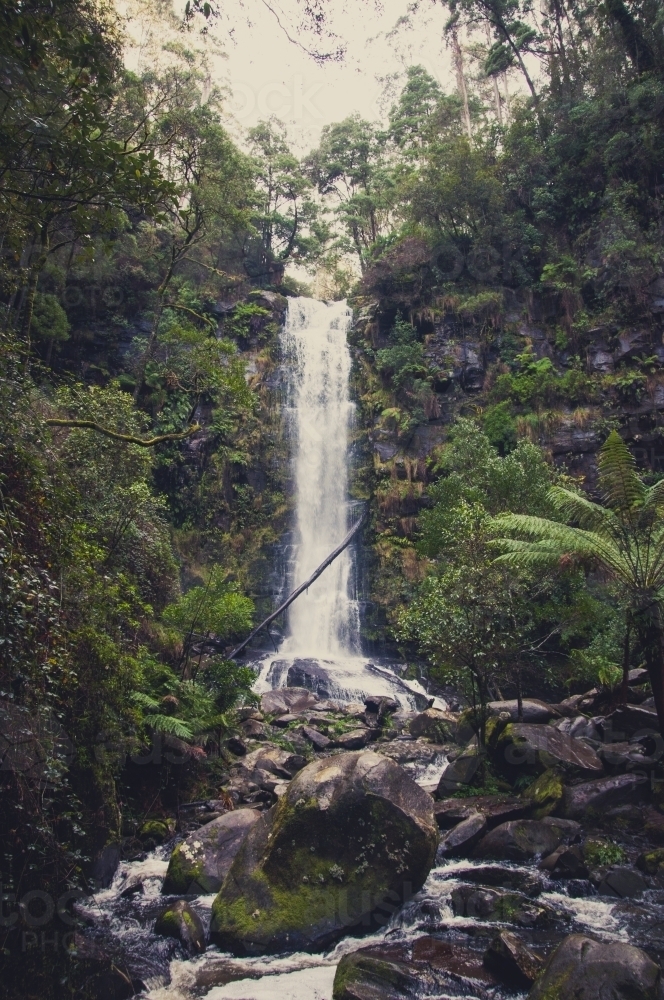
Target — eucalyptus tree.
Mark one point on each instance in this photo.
(623, 536)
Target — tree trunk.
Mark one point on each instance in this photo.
(651, 635)
(461, 79)
(624, 691)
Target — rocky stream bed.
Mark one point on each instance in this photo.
(354, 854)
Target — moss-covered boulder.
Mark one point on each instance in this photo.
(583, 969)
(351, 838)
(545, 794)
(157, 830)
(200, 863)
(180, 921)
(652, 862)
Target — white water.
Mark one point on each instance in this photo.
(324, 622)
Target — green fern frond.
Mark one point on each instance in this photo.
(654, 498)
(145, 701)
(567, 540)
(588, 515)
(619, 482)
(169, 724)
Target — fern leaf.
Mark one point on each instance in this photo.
(619, 482)
(169, 724)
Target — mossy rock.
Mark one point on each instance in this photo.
(352, 837)
(180, 921)
(434, 725)
(370, 973)
(583, 969)
(545, 794)
(652, 862)
(200, 863)
(522, 749)
(158, 830)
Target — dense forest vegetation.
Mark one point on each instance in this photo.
(502, 247)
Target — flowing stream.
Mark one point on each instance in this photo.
(322, 651)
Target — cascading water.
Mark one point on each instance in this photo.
(322, 649)
(324, 622)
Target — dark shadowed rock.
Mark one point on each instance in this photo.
(352, 834)
(252, 729)
(395, 972)
(434, 725)
(528, 882)
(595, 797)
(200, 863)
(512, 962)
(180, 921)
(652, 862)
(290, 699)
(105, 865)
(565, 863)
(623, 883)
(236, 746)
(482, 903)
(519, 840)
(318, 740)
(459, 841)
(583, 969)
(496, 808)
(631, 719)
(527, 749)
(534, 711)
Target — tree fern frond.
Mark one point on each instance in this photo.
(568, 540)
(654, 497)
(145, 701)
(169, 724)
(619, 482)
(588, 515)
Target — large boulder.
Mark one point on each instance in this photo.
(526, 749)
(350, 839)
(512, 962)
(291, 699)
(459, 774)
(459, 841)
(532, 710)
(201, 862)
(399, 972)
(630, 720)
(593, 798)
(520, 840)
(583, 969)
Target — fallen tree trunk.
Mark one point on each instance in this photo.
(303, 586)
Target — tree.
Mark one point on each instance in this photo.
(287, 218)
(624, 536)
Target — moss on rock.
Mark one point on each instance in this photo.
(546, 793)
(352, 837)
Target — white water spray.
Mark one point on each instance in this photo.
(323, 622)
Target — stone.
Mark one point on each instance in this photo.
(352, 836)
(512, 962)
(434, 725)
(526, 881)
(316, 738)
(449, 812)
(652, 862)
(566, 863)
(633, 719)
(356, 739)
(460, 840)
(283, 721)
(458, 773)
(310, 675)
(637, 677)
(497, 809)
(482, 903)
(200, 863)
(568, 829)
(534, 711)
(623, 757)
(595, 797)
(527, 749)
(290, 699)
(105, 865)
(249, 712)
(252, 729)
(430, 967)
(519, 840)
(545, 794)
(157, 830)
(580, 727)
(623, 883)
(381, 706)
(279, 762)
(583, 969)
(236, 746)
(180, 921)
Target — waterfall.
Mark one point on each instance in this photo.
(324, 622)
